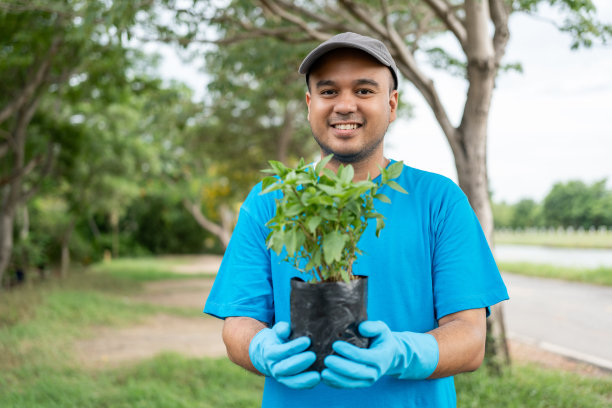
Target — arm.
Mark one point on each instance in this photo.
(461, 342)
(237, 335)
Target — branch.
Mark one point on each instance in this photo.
(45, 170)
(499, 16)
(444, 11)
(479, 45)
(33, 83)
(320, 17)
(218, 230)
(292, 18)
(365, 17)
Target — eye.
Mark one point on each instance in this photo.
(328, 92)
(364, 91)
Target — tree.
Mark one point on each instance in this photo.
(251, 114)
(44, 46)
(576, 204)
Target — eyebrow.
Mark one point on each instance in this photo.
(361, 81)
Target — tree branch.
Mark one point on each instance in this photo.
(45, 170)
(33, 83)
(444, 11)
(218, 230)
(292, 18)
(364, 17)
(326, 23)
(499, 16)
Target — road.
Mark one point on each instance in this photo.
(568, 318)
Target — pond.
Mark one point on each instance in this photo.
(576, 257)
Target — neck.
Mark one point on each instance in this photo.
(368, 167)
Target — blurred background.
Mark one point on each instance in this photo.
(131, 131)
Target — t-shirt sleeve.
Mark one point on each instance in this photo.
(465, 275)
(243, 286)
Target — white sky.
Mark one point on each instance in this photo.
(549, 124)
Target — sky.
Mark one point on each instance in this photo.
(549, 124)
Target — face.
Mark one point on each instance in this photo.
(350, 104)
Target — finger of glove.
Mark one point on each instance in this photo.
(293, 365)
(352, 369)
(336, 380)
(301, 381)
(282, 330)
(371, 328)
(281, 351)
(368, 356)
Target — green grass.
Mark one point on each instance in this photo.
(168, 380)
(39, 324)
(171, 380)
(527, 386)
(601, 240)
(147, 269)
(596, 276)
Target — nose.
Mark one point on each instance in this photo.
(345, 103)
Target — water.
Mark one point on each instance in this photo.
(576, 257)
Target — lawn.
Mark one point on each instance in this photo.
(595, 276)
(39, 324)
(575, 239)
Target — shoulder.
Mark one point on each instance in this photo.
(429, 185)
(260, 206)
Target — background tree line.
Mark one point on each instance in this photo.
(570, 204)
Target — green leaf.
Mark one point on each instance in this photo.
(333, 245)
(383, 198)
(394, 170)
(380, 224)
(313, 223)
(320, 165)
(396, 187)
(348, 174)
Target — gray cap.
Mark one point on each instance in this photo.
(370, 45)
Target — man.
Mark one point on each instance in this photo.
(431, 274)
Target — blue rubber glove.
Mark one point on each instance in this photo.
(274, 356)
(405, 355)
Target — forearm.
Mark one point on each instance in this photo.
(461, 342)
(237, 335)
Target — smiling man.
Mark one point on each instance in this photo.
(431, 273)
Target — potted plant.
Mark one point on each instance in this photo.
(318, 222)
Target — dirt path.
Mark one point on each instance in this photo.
(198, 336)
(201, 336)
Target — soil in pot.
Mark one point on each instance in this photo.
(327, 312)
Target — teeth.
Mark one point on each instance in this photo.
(347, 126)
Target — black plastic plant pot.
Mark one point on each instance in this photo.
(327, 312)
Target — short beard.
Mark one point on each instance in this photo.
(351, 157)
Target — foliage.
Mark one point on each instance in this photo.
(571, 204)
(579, 205)
(322, 215)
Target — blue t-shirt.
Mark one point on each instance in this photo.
(430, 260)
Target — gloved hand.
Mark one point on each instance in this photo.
(405, 355)
(274, 356)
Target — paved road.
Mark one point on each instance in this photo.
(568, 318)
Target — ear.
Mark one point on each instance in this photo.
(393, 102)
(308, 99)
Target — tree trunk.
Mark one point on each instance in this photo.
(114, 220)
(65, 260)
(12, 193)
(223, 231)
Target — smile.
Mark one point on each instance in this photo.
(346, 126)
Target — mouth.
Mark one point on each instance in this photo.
(346, 126)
